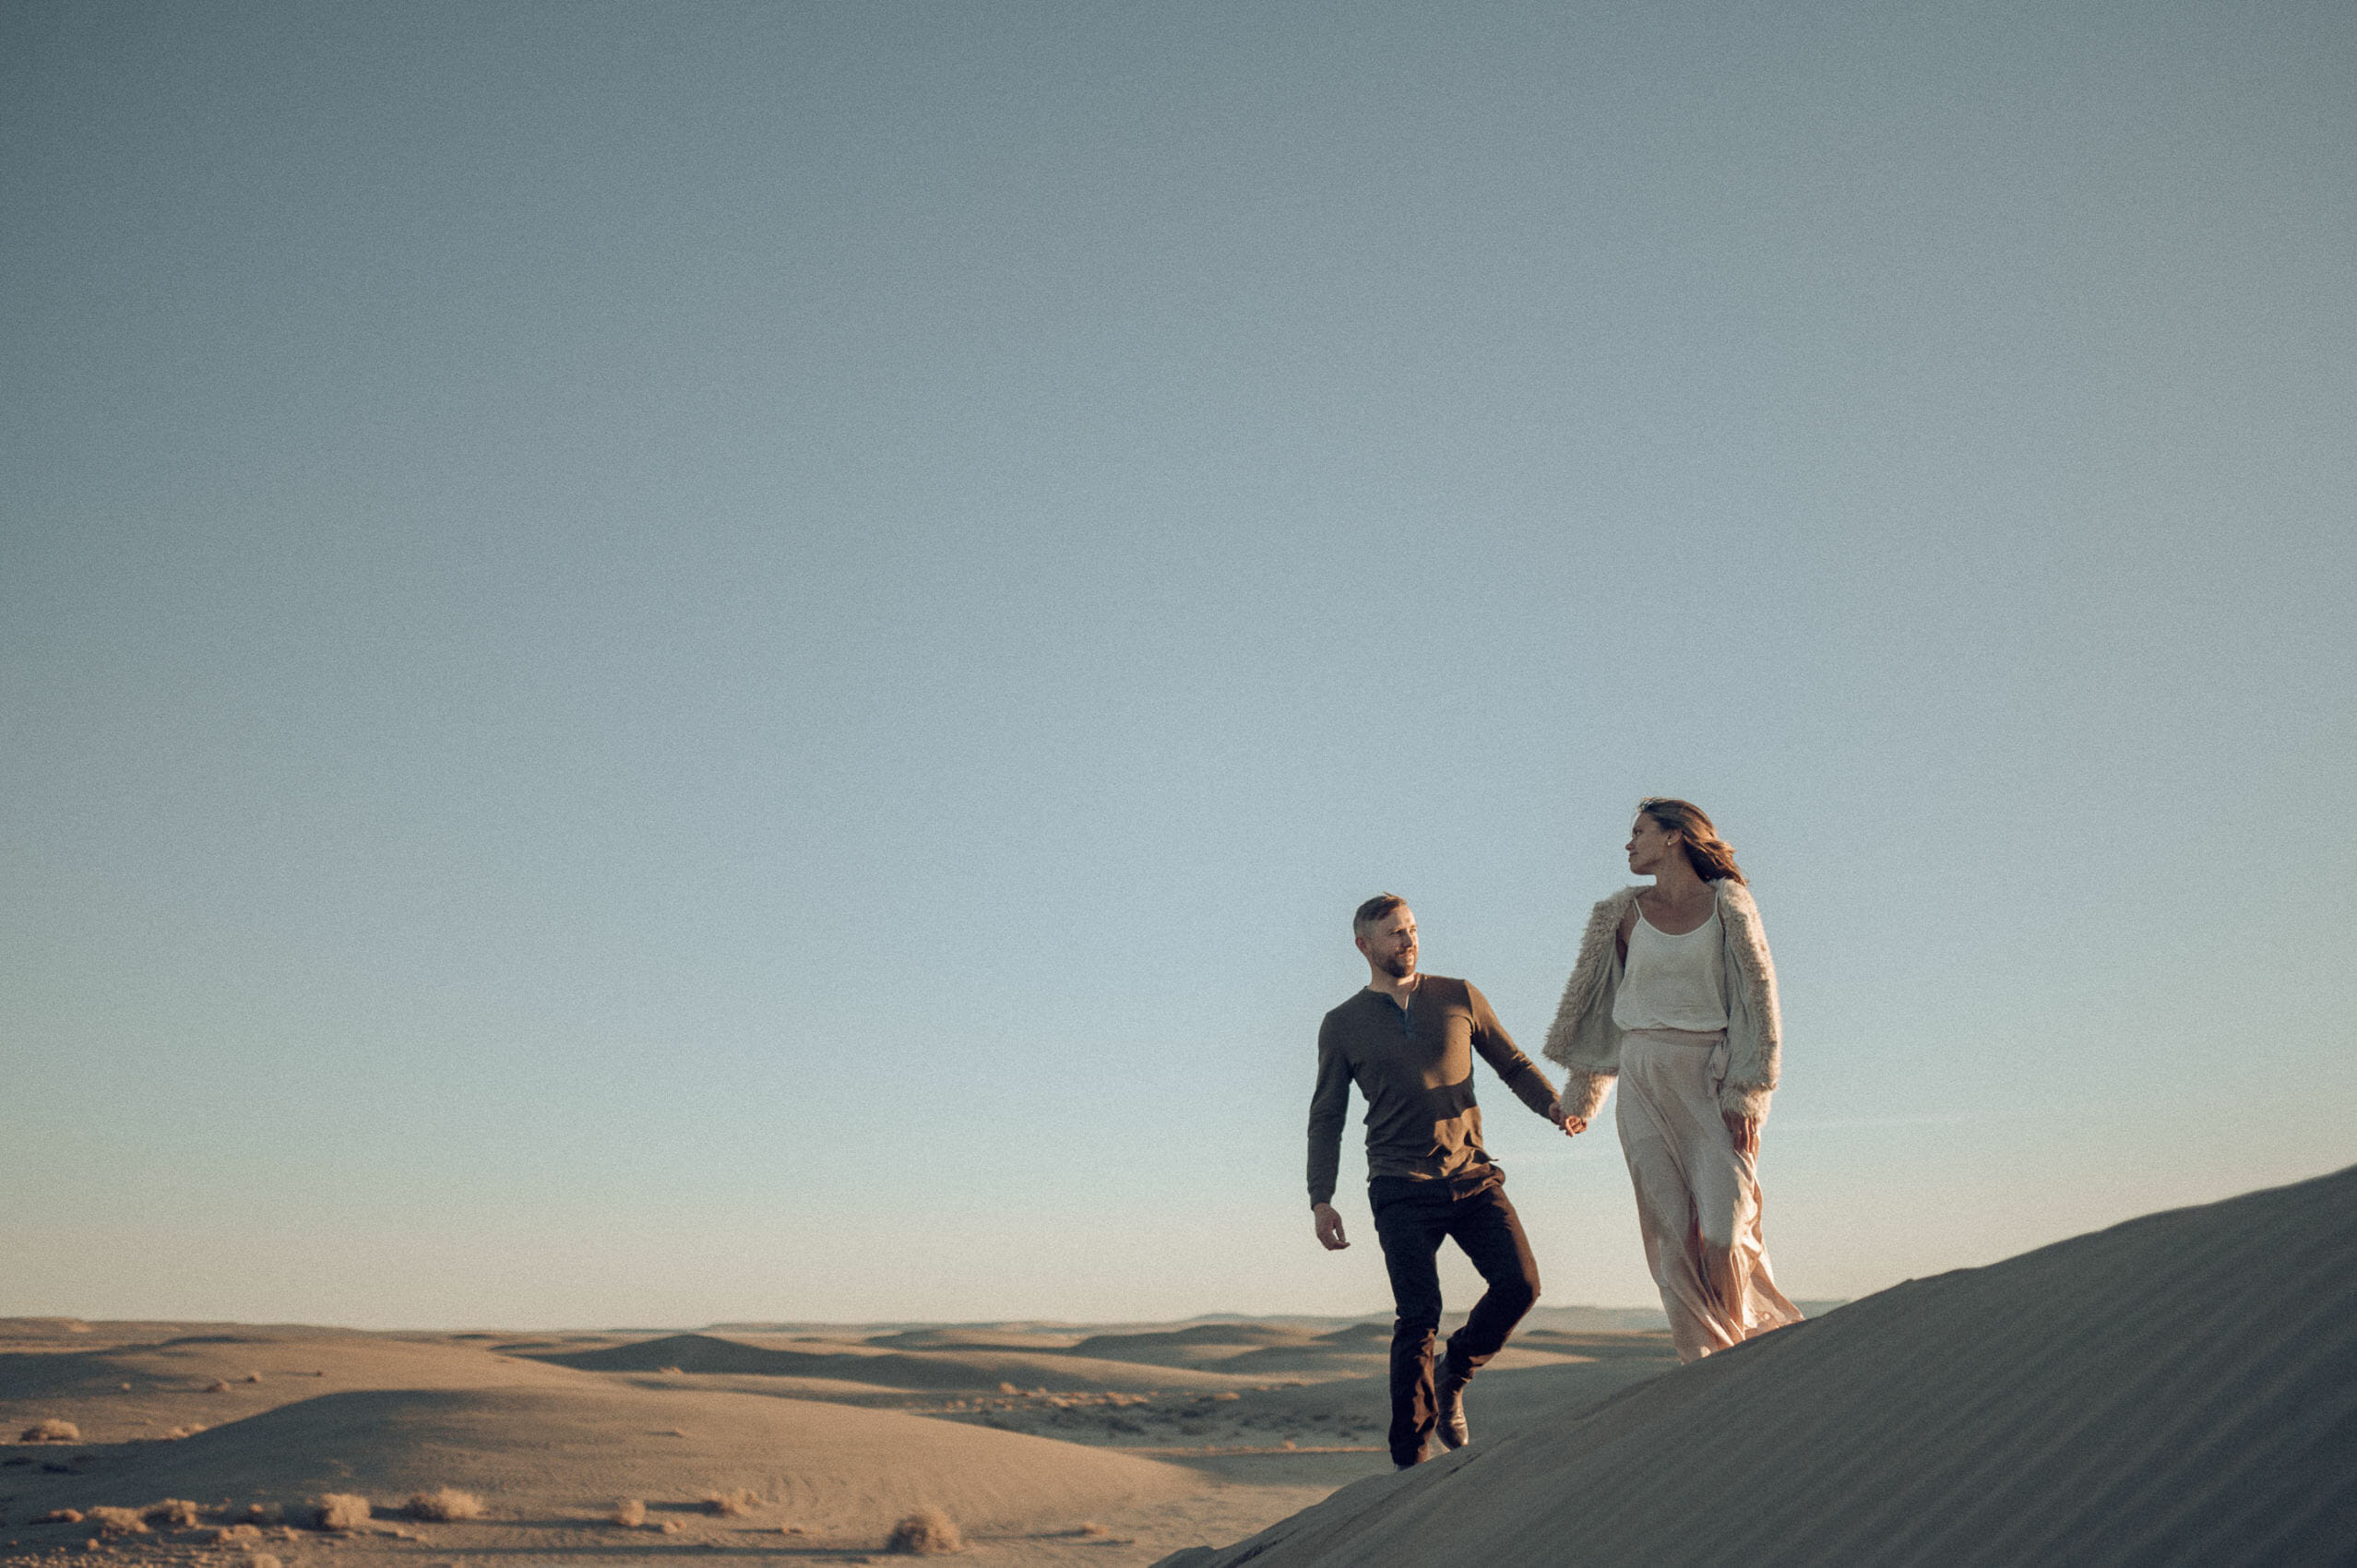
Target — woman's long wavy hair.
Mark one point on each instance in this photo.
(1713, 858)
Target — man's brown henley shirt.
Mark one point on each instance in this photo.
(1416, 1067)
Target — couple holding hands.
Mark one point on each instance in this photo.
(1673, 995)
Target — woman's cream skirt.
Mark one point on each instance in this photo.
(1698, 1196)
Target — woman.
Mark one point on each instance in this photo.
(1675, 995)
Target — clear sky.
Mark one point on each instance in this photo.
(675, 662)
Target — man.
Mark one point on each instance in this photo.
(1407, 1042)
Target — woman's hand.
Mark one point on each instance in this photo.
(1573, 1125)
(1744, 1130)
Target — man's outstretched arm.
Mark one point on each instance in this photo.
(1329, 1107)
(1521, 1075)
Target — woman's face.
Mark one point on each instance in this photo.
(1650, 846)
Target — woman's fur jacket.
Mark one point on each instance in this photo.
(1584, 1038)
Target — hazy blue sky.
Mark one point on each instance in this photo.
(663, 664)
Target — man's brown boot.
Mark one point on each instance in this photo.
(1450, 1425)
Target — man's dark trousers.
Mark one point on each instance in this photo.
(1411, 1219)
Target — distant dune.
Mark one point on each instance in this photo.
(1222, 1335)
(2178, 1389)
(965, 1367)
(556, 1456)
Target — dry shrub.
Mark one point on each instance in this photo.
(253, 1377)
(264, 1513)
(263, 1560)
(629, 1512)
(733, 1504)
(232, 1535)
(342, 1511)
(446, 1506)
(928, 1532)
(219, 1385)
(177, 1513)
(1089, 1527)
(671, 1526)
(191, 1430)
(51, 1430)
(116, 1521)
(61, 1517)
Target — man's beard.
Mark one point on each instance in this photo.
(1400, 966)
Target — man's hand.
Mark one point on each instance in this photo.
(1573, 1125)
(1329, 1228)
(1744, 1130)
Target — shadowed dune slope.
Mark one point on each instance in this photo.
(1369, 1335)
(2178, 1389)
(1125, 1347)
(970, 1339)
(137, 1390)
(966, 1369)
(544, 1455)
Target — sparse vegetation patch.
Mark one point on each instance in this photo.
(629, 1512)
(174, 1512)
(342, 1511)
(734, 1504)
(51, 1430)
(446, 1506)
(928, 1532)
(116, 1521)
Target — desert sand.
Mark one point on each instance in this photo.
(1043, 1444)
(2178, 1389)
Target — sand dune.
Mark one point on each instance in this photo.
(973, 1368)
(549, 1429)
(2180, 1389)
(969, 1337)
(1217, 1336)
(119, 1393)
(2183, 1388)
(560, 1458)
(231, 1417)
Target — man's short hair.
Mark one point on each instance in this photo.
(1374, 909)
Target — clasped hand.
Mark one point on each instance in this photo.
(1328, 1219)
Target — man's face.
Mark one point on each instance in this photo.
(1390, 943)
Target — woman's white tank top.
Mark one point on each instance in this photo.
(1673, 982)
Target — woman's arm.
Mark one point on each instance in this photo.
(1582, 1037)
(1755, 1029)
